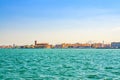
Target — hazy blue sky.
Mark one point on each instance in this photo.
(57, 21)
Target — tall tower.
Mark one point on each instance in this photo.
(35, 42)
(103, 44)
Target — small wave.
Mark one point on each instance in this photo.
(108, 67)
(93, 76)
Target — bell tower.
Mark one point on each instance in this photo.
(35, 42)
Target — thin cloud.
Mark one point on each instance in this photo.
(116, 29)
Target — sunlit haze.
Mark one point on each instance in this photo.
(59, 21)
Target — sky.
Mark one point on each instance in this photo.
(59, 21)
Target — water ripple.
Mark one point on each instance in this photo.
(59, 64)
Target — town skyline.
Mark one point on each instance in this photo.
(84, 42)
(96, 45)
(59, 21)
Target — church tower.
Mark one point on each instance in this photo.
(35, 42)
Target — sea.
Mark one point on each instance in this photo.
(59, 64)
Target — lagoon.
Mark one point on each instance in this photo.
(59, 64)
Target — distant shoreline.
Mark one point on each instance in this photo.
(59, 48)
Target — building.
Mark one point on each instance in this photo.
(41, 45)
(6, 46)
(97, 45)
(115, 44)
(58, 46)
(107, 46)
(76, 45)
(85, 45)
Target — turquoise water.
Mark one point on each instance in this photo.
(59, 64)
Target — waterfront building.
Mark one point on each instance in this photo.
(76, 45)
(6, 46)
(66, 45)
(27, 46)
(85, 45)
(13, 45)
(115, 44)
(58, 46)
(107, 46)
(41, 45)
(97, 45)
